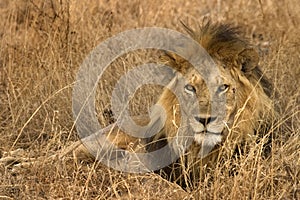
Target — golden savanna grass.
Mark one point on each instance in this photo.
(43, 44)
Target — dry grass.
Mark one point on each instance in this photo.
(42, 46)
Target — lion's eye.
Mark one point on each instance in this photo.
(223, 88)
(190, 89)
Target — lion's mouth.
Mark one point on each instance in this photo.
(208, 133)
(201, 130)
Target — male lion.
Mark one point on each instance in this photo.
(248, 106)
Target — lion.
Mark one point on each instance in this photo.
(248, 108)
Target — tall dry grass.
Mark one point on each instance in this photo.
(42, 46)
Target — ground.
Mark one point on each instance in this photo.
(43, 44)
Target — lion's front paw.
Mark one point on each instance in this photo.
(15, 159)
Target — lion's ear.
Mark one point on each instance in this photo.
(247, 60)
(175, 61)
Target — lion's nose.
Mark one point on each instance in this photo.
(206, 120)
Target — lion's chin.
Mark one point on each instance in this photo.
(208, 141)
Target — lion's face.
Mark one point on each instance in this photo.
(210, 126)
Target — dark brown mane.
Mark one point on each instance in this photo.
(220, 40)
